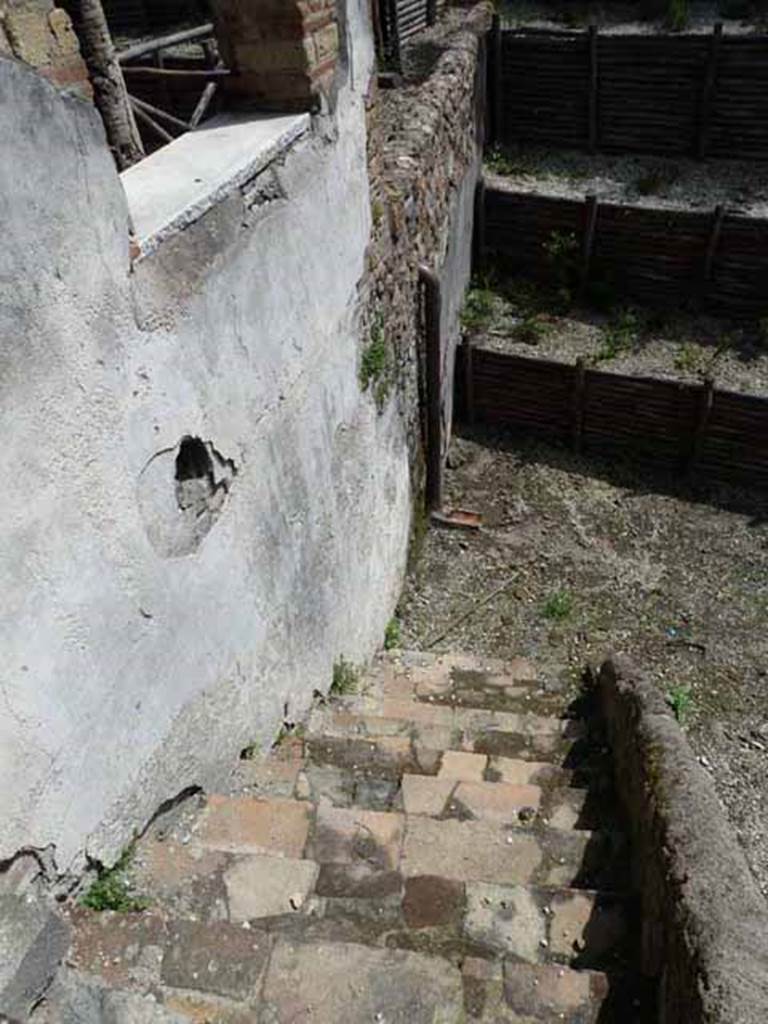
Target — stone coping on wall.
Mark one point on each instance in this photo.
(705, 923)
(180, 182)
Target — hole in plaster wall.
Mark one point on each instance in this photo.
(181, 493)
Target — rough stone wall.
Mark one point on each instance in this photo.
(41, 34)
(424, 152)
(705, 923)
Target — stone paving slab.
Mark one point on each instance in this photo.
(261, 886)
(551, 994)
(501, 802)
(348, 836)
(218, 959)
(249, 825)
(540, 925)
(469, 851)
(521, 772)
(334, 983)
(121, 949)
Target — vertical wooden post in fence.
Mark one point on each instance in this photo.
(579, 380)
(588, 239)
(494, 65)
(714, 238)
(592, 43)
(710, 78)
(469, 381)
(434, 355)
(703, 414)
(478, 233)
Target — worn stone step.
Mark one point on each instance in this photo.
(557, 802)
(483, 851)
(503, 802)
(392, 756)
(577, 927)
(521, 993)
(447, 728)
(223, 972)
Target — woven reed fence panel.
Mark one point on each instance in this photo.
(400, 20)
(659, 258)
(670, 95)
(719, 435)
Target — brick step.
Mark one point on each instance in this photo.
(502, 802)
(576, 927)
(511, 992)
(246, 858)
(230, 974)
(446, 728)
(370, 780)
(422, 754)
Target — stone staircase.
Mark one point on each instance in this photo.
(440, 847)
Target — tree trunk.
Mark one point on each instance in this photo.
(107, 80)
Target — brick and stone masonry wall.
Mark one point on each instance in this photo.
(285, 52)
(705, 923)
(41, 34)
(424, 152)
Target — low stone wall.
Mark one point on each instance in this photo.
(424, 151)
(705, 924)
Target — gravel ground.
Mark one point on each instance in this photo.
(652, 182)
(673, 346)
(576, 558)
(622, 18)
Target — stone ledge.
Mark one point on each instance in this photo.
(182, 181)
(705, 923)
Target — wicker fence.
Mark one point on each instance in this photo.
(682, 428)
(715, 262)
(692, 95)
(400, 20)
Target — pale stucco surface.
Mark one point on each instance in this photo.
(132, 667)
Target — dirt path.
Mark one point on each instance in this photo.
(593, 557)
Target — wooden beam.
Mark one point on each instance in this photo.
(588, 242)
(432, 310)
(150, 122)
(579, 382)
(497, 100)
(709, 90)
(593, 81)
(163, 42)
(714, 238)
(703, 415)
(200, 73)
(161, 115)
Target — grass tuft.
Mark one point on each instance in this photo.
(558, 606)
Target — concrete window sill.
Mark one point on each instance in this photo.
(176, 185)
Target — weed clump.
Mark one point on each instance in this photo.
(619, 336)
(375, 370)
(345, 678)
(112, 889)
(680, 699)
(392, 635)
(478, 308)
